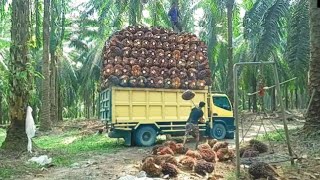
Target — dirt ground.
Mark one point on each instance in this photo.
(113, 166)
(127, 161)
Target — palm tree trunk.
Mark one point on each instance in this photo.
(93, 101)
(291, 99)
(296, 96)
(53, 105)
(60, 104)
(230, 4)
(286, 97)
(53, 66)
(57, 93)
(1, 116)
(45, 121)
(20, 80)
(243, 101)
(274, 101)
(249, 104)
(38, 23)
(313, 115)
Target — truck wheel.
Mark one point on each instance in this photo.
(145, 136)
(218, 131)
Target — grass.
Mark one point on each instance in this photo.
(2, 135)
(276, 136)
(64, 149)
(7, 172)
(71, 147)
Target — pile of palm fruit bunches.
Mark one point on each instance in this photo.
(155, 58)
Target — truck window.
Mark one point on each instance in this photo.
(222, 102)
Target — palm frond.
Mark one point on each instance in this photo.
(271, 33)
(79, 44)
(253, 18)
(298, 48)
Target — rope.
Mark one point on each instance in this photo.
(248, 129)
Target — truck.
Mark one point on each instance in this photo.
(139, 115)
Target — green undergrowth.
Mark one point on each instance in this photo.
(2, 135)
(276, 136)
(7, 172)
(64, 148)
(71, 147)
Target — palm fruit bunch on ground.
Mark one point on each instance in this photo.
(154, 58)
(263, 170)
(253, 149)
(171, 158)
(202, 167)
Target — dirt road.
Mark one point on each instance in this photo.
(126, 161)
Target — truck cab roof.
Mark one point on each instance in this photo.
(219, 94)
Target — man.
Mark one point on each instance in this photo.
(196, 116)
(174, 16)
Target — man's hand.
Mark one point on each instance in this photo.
(202, 120)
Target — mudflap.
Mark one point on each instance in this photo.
(125, 134)
(230, 135)
(230, 132)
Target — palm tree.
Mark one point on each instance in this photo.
(298, 49)
(20, 78)
(262, 29)
(45, 121)
(4, 49)
(313, 115)
(1, 97)
(230, 4)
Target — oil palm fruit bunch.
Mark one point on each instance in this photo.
(156, 57)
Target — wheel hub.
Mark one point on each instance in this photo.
(146, 136)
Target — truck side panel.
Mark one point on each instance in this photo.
(142, 105)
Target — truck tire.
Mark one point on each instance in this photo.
(145, 136)
(218, 131)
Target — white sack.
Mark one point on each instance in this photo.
(30, 128)
(42, 160)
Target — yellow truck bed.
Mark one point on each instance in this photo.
(148, 105)
(140, 114)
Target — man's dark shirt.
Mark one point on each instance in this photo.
(174, 14)
(195, 115)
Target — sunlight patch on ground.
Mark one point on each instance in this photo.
(69, 140)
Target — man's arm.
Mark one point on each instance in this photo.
(202, 118)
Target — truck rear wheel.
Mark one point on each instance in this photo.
(145, 136)
(218, 131)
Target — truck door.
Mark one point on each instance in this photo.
(223, 120)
